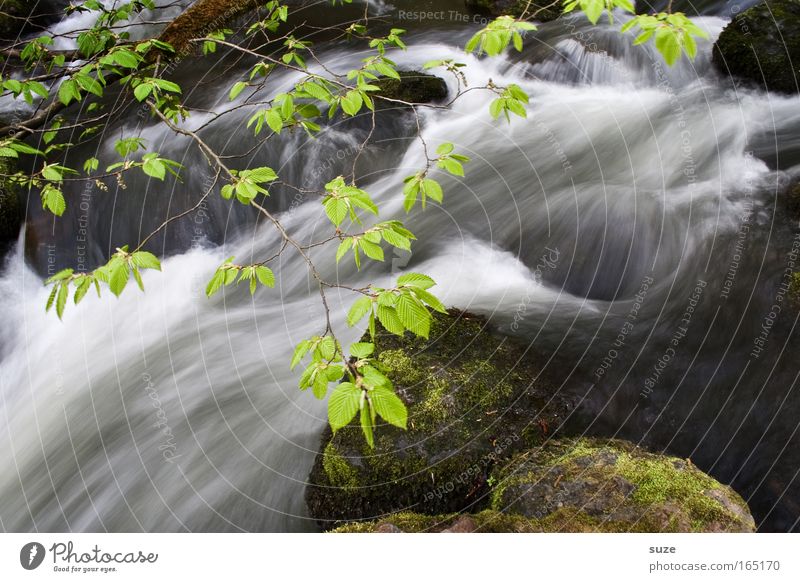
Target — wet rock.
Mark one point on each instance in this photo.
(474, 399)
(761, 46)
(412, 87)
(591, 485)
(543, 11)
(10, 212)
(464, 524)
(387, 527)
(792, 200)
(611, 485)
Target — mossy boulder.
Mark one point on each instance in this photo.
(411, 87)
(474, 399)
(761, 46)
(612, 485)
(542, 11)
(589, 485)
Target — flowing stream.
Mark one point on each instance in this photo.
(628, 229)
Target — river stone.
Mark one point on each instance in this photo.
(412, 87)
(761, 46)
(474, 399)
(543, 11)
(611, 485)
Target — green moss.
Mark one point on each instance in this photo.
(338, 470)
(794, 290)
(657, 482)
(401, 367)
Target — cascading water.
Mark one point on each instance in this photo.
(166, 411)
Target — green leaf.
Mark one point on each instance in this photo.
(359, 309)
(91, 165)
(452, 166)
(265, 276)
(145, 260)
(142, 91)
(389, 406)
(236, 89)
(327, 348)
(154, 168)
(125, 58)
(366, 426)
(118, 278)
(51, 299)
(81, 289)
(416, 280)
(299, 352)
(373, 251)
(89, 84)
(445, 148)
(320, 385)
(167, 85)
(430, 300)
(344, 246)
(593, 9)
(261, 175)
(343, 405)
(61, 299)
(336, 209)
(413, 315)
(68, 92)
(138, 278)
(53, 200)
(433, 189)
(274, 120)
(362, 350)
(60, 276)
(389, 320)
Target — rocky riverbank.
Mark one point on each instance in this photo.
(483, 453)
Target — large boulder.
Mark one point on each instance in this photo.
(761, 46)
(411, 87)
(474, 399)
(612, 485)
(589, 485)
(542, 10)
